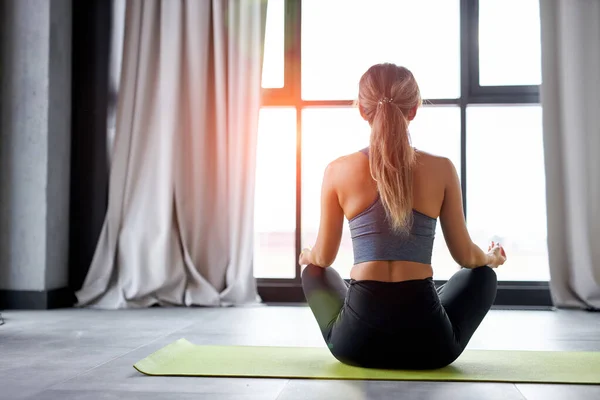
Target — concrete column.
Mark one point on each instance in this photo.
(35, 143)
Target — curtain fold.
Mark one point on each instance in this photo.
(179, 225)
(571, 103)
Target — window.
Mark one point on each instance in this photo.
(342, 38)
(437, 130)
(275, 194)
(273, 63)
(506, 191)
(509, 42)
(480, 85)
(327, 133)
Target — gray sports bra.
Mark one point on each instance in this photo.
(374, 240)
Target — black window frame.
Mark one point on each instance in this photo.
(520, 294)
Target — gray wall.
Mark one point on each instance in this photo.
(35, 119)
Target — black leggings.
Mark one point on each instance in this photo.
(398, 325)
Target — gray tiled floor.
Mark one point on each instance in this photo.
(88, 355)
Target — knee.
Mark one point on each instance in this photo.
(486, 280)
(481, 273)
(311, 271)
(487, 275)
(481, 277)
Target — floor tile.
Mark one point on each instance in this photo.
(22, 376)
(115, 395)
(559, 392)
(89, 354)
(119, 375)
(384, 390)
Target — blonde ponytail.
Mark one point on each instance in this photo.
(387, 94)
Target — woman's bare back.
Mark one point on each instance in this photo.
(357, 191)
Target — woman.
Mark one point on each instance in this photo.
(390, 315)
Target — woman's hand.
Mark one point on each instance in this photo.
(496, 255)
(304, 258)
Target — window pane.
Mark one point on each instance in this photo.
(437, 130)
(328, 133)
(506, 195)
(275, 196)
(272, 74)
(341, 39)
(509, 42)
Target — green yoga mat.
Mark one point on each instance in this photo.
(183, 358)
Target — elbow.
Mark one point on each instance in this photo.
(465, 259)
(323, 261)
(470, 259)
(469, 265)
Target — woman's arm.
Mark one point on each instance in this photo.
(326, 248)
(466, 253)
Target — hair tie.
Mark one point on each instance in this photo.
(385, 100)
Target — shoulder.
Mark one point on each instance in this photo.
(435, 168)
(338, 170)
(346, 164)
(435, 162)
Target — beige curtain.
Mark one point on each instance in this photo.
(179, 225)
(571, 117)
